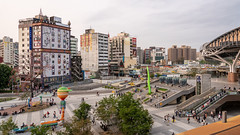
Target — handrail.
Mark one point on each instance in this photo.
(195, 98)
(205, 101)
(200, 109)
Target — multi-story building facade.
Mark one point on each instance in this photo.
(7, 50)
(23, 45)
(122, 53)
(147, 56)
(178, 55)
(157, 55)
(16, 54)
(94, 51)
(74, 46)
(1, 48)
(140, 55)
(45, 45)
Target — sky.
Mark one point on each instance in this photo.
(160, 23)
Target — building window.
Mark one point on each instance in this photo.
(28, 34)
(59, 72)
(22, 39)
(53, 73)
(28, 45)
(22, 28)
(28, 56)
(22, 56)
(59, 56)
(22, 34)
(27, 39)
(22, 50)
(53, 56)
(53, 62)
(27, 50)
(52, 45)
(22, 45)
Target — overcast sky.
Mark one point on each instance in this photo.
(153, 22)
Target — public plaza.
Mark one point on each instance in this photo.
(160, 126)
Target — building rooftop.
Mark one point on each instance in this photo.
(232, 127)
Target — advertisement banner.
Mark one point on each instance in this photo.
(35, 101)
(30, 38)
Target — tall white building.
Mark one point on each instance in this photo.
(7, 50)
(23, 45)
(94, 51)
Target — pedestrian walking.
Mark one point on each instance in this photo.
(173, 118)
(93, 120)
(48, 113)
(188, 119)
(54, 114)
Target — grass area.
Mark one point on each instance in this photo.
(36, 108)
(145, 100)
(162, 89)
(6, 99)
(110, 87)
(5, 91)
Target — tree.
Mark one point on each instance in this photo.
(82, 111)
(80, 123)
(5, 73)
(125, 112)
(134, 118)
(148, 61)
(151, 75)
(193, 72)
(77, 127)
(7, 126)
(40, 130)
(107, 110)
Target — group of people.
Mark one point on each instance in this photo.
(46, 115)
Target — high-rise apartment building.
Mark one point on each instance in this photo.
(7, 50)
(122, 53)
(94, 51)
(44, 48)
(140, 55)
(1, 48)
(23, 45)
(178, 55)
(74, 46)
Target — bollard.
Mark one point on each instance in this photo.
(224, 116)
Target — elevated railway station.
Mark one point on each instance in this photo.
(226, 46)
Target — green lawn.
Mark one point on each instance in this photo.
(162, 89)
(5, 99)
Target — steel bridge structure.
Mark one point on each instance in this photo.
(225, 46)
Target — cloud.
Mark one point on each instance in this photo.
(153, 22)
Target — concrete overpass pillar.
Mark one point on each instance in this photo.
(232, 77)
(183, 98)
